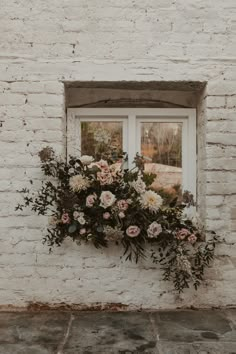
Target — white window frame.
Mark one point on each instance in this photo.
(131, 119)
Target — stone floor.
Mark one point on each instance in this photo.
(163, 332)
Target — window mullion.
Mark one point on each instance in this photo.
(131, 139)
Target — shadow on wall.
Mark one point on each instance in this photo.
(151, 94)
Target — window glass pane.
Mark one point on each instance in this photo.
(99, 139)
(161, 145)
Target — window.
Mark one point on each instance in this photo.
(166, 137)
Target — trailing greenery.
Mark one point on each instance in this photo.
(101, 202)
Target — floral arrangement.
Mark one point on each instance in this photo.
(101, 202)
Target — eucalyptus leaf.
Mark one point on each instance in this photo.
(72, 228)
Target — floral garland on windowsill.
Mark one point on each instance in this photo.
(102, 202)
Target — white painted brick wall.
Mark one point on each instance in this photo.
(44, 43)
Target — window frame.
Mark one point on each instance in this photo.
(131, 119)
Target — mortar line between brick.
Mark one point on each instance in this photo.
(65, 338)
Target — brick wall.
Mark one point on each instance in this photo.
(45, 43)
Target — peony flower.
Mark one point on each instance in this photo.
(121, 215)
(90, 200)
(133, 231)
(122, 204)
(113, 234)
(150, 200)
(154, 230)
(78, 183)
(107, 199)
(65, 218)
(182, 234)
(106, 216)
(192, 238)
(138, 185)
(82, 231)
(86, 159)
(104, 178)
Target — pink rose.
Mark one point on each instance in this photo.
(192, 238)
(104, 178)
(90, 200)
(182, 234)
(65, 218)
(102, 164)
(122, 204)
(121, 215)
(154, 230)
(82, 231)
(133, 231)
(106, 216)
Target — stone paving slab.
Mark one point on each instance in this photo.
(31, 333)
(192, 326)
(120, 331)
(162, 332)
(196, 348)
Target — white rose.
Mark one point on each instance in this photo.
(71, 171)
(81, 220)
(86, 159)
(76, 214)
(107, 199)
(139, 185)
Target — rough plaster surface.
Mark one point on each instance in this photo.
(46, 43)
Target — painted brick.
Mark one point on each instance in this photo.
(221, 164)
(231, 101)
(221, 114)
(58, 41)
(44, 100)
(12, 99)
(233, 213)
(224, 138)
(216, 101)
